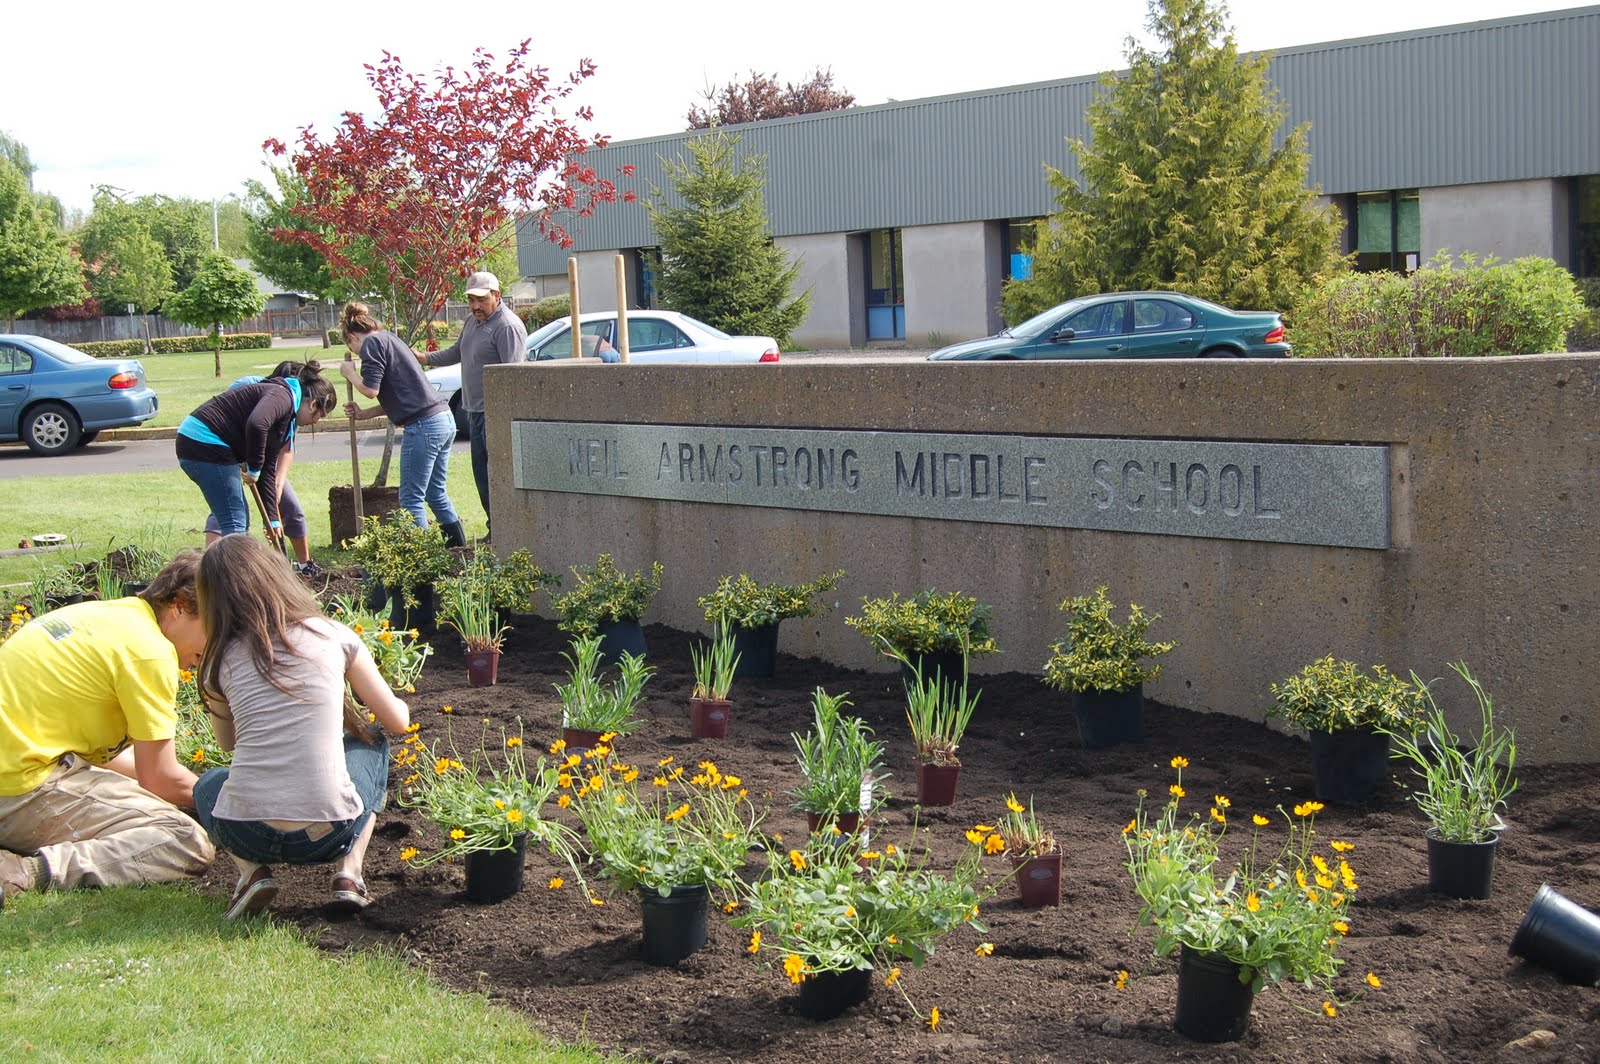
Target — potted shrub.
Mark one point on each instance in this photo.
(938, 633)
(400, 654)
(840, 763)
(1462, 793)
(590, 708)
(715, 665)
(487, 808)
(406, 559)
(1101, 664)
(54, 586)
(938, 712)
(1278, 914)
(834, 923)
(1348, 714)
(472, 603)
(1035, 857)
(754, 611)
(608, 602)
(677, 839)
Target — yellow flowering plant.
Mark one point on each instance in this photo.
(486, 800)
(18, 616)
(195, 741)
(834, 908)
(399, 654)
(1019, 832)
(1279, 912)
(663, 826)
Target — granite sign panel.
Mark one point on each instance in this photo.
(1332, 495)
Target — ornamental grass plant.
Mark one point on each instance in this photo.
(593, 705)
(937, 710)
(1463, 790)
(656, 829)
(603, 592)
(1330, 695)
(926, 623)
(714, 664)
(741, 602)
(1019, 832)
(1099, 654)
(1279, 911)
(837, 758)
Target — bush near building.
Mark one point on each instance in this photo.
(1585, 335)
(1446, 309)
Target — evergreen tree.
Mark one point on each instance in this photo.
(718, 262)
(221, 294)
(1182, 186)
(38, 267)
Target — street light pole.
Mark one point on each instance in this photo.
(216, 241)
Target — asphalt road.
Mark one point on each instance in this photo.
(140, 456)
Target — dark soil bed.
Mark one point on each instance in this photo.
(1450, 991)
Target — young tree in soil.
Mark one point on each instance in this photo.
(221, 294)
(407, 204)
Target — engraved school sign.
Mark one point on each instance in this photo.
(1331, 495)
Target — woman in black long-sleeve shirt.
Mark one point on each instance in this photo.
(249, 427)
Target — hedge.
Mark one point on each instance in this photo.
(168, 345)
(441, 331)
(545, 311)
(1476, 307)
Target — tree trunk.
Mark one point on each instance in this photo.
(216, 347)
(381, 478)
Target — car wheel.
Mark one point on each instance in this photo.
(462, 421)
(1221, 352)
(50, 428)
(87, 438)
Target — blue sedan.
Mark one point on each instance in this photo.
(1133, 325)
(55, 398)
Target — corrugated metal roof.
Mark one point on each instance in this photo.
(1502, 100)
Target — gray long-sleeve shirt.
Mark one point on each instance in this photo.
(498, 340)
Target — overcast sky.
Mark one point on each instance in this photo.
(175, 97)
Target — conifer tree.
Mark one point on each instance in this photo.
(1182, 186)
(718, 261)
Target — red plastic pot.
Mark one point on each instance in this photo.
(483, 666)
(1038, 880)
(708, 717)
(936, 784)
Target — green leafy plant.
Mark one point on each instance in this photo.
(1099, 654)
(471, 601)
(826, 908)
(484, 802)
(714, 663)
(591, 705)
(938, 712)
(605, 593)
(741, 602)
(835, 757)
(1330, 695)
(108, 585)
(1462, 790)
(926, 623)
(399, 654)
(667, 830)
(399, 554)
(195, 741)
(1280, 914)
(1020, 832)
(51, 586)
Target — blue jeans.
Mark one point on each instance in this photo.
(425, 466)
(265, 844)
(478, 429)
(290, 511)
(224, 493)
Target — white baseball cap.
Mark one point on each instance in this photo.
(482, 283)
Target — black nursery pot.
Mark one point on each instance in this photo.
(1106, 718)
(757, 649)
(827, 994)
(675, 925)
(618, 638)
(1460, 869)
(495, 875)
(1213, 1005)
(1561, 935)
(1349, 765)
(944, 664)
(421, 616)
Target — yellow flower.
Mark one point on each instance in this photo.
(564, 780)
(415, 634)
(1327, 1006)
(890, 849)
(984, 949)
(1179, 762)
(564, 801)
(1216, 814)
(730, 906)
(1252, 902)
(894, 974)
(558, 746)
(1012, 803)
(412, 729)
(679, 813)
(1259, 821)
(871, 855)
(797, 859)
(1373, 981)
(556, 883)
(457, 834)
(514, 816)
(1122, 978)
(755, 943)
(596, 901)
(630, 775)
(1176, 791)
(850, 912)
(199, 757)
(1222, 801)
(730, 782)
(448, 709)
(408, 853)
(514, 741)
(933, 1018)
(357, 628)
(606, 737)
(1322, 866)
(1131, 825)
(974, 837)
(794, 967)
(1325, 882)
(1341, 927)
(386, 637)
(572, 761)
(1300, 878)
(1342, 847)
(666, 760)
(659, 781)
(184, 675)
(994, 844)
(498, 804)
(893, 940)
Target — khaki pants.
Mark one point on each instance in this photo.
(98, 828)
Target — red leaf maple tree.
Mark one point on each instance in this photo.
(407, 204)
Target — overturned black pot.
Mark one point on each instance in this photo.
(1561, 935)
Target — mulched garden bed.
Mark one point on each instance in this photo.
(1048, 993)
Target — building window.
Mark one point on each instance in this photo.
(1020, 235)
(886, 290)
(1388, 230)
(646, 268)
(1586, 226)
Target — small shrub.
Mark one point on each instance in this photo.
(112, 348)
(547, 310)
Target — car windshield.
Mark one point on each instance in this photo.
(712, 329)
(543, 333)
(61, 352)
(1040, 322)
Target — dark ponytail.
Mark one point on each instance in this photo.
(304, 372)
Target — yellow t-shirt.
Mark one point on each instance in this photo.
(84, 680)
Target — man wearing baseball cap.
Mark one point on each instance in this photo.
(492, 335)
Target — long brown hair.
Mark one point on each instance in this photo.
(248, 593)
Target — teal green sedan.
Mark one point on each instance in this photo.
(1132, 325)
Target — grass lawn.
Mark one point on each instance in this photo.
(154, 974)
(165, 510)
(182, 382)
